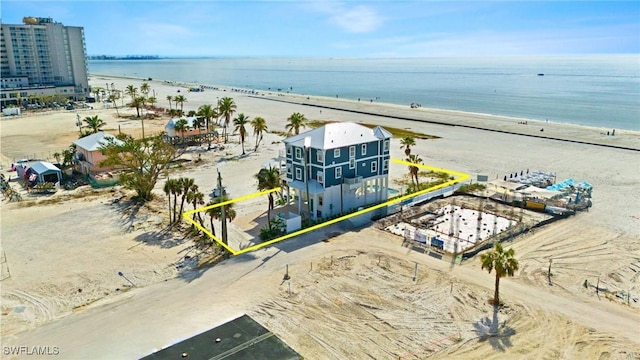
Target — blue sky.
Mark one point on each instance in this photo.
(344, 28)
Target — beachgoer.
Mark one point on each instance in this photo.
(613, 132)
(541, 130)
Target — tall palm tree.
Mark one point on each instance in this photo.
(180, 99)
(152, 101)
(269, 178)
(197, 123)
(503, 262)
(240, 123)
(407, 142)
(185, 184)
(169, 97)
(132, 91)
(296, 121)
(113, 97)
(208, 112)
(182, 125)
(226, 108)
(216, 213)
(176, 190)
(259, 125)
(94, 123)
(137, 102)
(195, 198)
(172, 187)
(413, 170)
(144, 89)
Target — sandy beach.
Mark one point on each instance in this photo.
(64, 258)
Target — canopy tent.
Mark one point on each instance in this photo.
(536, 192)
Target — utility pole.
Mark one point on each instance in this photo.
(224, 215)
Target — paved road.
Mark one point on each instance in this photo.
(144, 320)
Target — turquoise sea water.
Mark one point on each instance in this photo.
(599, 91)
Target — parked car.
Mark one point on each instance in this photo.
(216, 191)
(14, 165)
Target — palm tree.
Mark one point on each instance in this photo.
(226, 108)
(216, 212)
(169, 97)
(185, 184)
(413, 170)
(172, 187)
(182, 125)
(176, 190)
(152, 101)
(137, 102)
(94, 123)
(195, 198)
(259, 125)
(268, 178)
(406, 143)
(503, 262)
(296, 121)
(208, 112)
(197, 123)
(180, 99)
(144, 89)
(240, 122)
(132, 91)
(113, 97)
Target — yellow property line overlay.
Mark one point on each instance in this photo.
(459, 178)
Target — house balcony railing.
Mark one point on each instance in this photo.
(352, 183)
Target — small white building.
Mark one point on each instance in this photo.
(170, 128)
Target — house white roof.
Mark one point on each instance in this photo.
(336, 135)
(96, 141)
(172, 122)
(42, 167)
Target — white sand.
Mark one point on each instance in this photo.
(51, 254)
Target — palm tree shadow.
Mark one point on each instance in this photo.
(164, 238)
(128, 210)
(498, 335)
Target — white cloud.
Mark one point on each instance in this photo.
(353, 19)
(360, 19)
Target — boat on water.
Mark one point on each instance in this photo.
(540, 74)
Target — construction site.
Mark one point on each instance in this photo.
(461, 225)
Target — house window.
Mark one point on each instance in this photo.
(352, 163)
(320, 177)
(352, 151)
(298, 174)
(289, 170)
(288, 150)
(319, 200)
(320, 156)
(385, 165)
(386, 145)
(364, 149)
(338, 172)
(336, 153)
(298, 153)
(374, 166)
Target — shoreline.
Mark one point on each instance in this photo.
(355, 102)
(463, 125)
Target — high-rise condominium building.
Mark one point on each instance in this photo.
(41, 58)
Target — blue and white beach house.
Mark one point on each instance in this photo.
(338, 168)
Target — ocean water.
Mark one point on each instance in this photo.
(601, 91)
